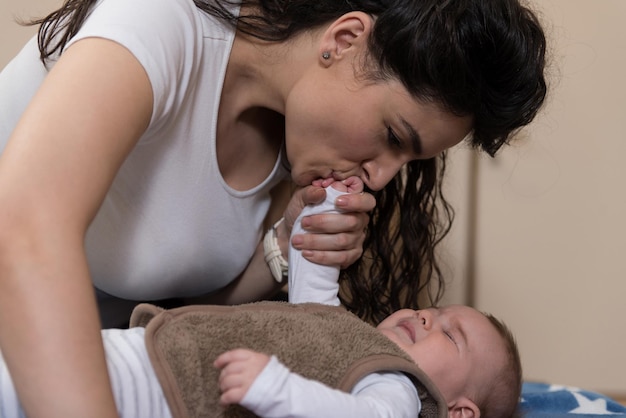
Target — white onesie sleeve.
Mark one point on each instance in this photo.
(279, 393)
(310, 282)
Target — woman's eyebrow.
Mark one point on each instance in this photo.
(416, 141)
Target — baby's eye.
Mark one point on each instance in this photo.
(393, 139)
(449, 335)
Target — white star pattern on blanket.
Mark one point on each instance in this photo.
(542, 400)
(585, 405)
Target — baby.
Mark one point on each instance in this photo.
(165, 366)
(463, 352)
(471, 358)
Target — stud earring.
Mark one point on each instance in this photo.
(326, 55)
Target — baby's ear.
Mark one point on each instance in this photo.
(463, 408)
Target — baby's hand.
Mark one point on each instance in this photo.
(239, 369)
(352, 184)
(323, 182)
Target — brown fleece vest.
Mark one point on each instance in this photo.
(319, 342)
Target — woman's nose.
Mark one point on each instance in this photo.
(380, 172)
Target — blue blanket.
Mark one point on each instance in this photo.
(542, 400)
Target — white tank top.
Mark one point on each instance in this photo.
(169, 226)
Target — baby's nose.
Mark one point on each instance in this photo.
(425, 318)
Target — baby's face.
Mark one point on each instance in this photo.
(456, 346)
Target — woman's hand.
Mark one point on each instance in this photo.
(332, 239)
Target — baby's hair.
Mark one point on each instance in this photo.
(499, 398)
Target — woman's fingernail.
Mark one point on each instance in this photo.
(341, 201)
(297, 240)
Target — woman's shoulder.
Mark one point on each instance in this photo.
(158, 21)
(161, 34)
(168, 38)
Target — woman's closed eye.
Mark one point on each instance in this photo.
(393, 139)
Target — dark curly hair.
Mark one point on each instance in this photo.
(478, 58)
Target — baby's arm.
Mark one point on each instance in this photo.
(279, 393)
(310, 282)
(239, 369)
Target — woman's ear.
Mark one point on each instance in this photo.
(463, 408)
(346, 35)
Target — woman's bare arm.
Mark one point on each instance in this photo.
(54, 173)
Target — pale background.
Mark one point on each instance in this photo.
(541, 236)
(542, 241)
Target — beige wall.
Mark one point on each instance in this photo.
(549, 254)
(12, 35)
(550, 239)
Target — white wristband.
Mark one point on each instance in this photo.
(273, 256)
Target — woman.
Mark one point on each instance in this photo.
(145, 155)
